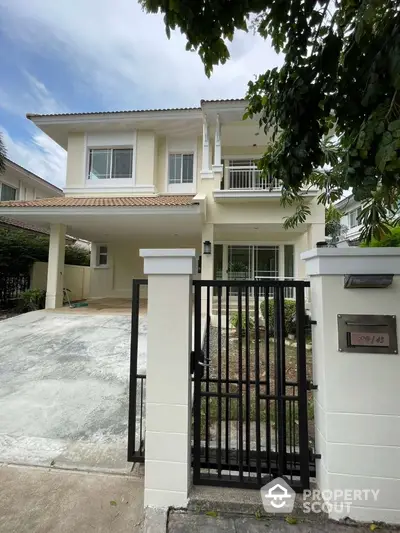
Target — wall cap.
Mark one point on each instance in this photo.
(168, 260)
(340, 261)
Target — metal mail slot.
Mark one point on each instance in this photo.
(367, 333)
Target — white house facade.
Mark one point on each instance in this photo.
(173, 178)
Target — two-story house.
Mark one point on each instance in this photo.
(168, 178)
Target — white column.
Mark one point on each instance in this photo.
(357, 407)
(206, 172)
(55, 272)
(217, 166)
(168, 388)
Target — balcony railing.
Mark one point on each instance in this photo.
(248, 178)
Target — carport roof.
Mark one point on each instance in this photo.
(126, 201)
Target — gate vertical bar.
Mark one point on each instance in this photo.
(197, 385)
(133, 369)
(302, 388)
(257, 380)
(280, 377)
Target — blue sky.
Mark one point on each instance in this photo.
(96, 55)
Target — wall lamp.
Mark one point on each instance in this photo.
(207, 248)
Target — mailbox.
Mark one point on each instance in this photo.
(367, 333)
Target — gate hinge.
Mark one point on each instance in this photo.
(312, 456)
(313, 322)
(311, 385)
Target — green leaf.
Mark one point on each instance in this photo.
(113, 503)
(373, 527)
(213, 514)
(291, 520)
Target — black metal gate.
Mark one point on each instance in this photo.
(251, 399)
(137, 383)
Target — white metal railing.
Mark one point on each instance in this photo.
(250, 178)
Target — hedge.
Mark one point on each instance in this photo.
(290, 315)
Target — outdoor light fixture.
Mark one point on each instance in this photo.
(207, 248)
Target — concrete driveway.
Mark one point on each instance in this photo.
(64, 389)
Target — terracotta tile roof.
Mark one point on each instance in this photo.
(128, 201)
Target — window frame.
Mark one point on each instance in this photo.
(99, 254)
(357, 212)
(181, 153)
(109, 179)
(2, 183)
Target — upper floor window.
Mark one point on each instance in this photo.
(110, 163)
(7, 193)
(180, 168)
(353, 217)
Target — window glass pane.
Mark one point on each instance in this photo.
(218, 252)
(103, 250)
(102, 259)
(289, 261)
(8, 193)
(187, 168)
(174, 168)
(99, 164)
(122, 163)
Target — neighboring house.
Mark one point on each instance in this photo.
(351, 210)
(168, 178)
(18, 183)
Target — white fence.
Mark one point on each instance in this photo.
(76, 279)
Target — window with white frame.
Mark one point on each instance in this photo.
(110, 163)
(180, 168)
(102, 255)
(7, 193)
(353, 217)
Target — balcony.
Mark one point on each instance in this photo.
(248, 178)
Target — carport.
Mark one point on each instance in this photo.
(64, 378)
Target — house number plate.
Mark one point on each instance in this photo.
(369, 339)
(367, 334)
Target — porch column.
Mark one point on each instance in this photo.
(168, 389)
(55, 270)
(206, 172)
(356, 405)
(217, 166)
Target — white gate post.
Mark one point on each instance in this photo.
(168, 387)
(357, 405)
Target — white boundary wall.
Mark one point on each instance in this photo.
(357, 404)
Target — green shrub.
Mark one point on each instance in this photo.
(235, 322)
(32, 300)
(290, 315)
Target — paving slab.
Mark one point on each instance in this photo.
(37, 500)
(64, 382)
(190, 522)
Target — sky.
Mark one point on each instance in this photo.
(101, 55)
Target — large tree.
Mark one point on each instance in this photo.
(341, 75)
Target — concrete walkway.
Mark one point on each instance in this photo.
(37, 500)
(182, 522)
(64, 389)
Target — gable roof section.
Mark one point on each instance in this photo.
(128, 201)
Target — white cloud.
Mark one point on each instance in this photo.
(31, 95)
(122, 54)
(40, 155)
